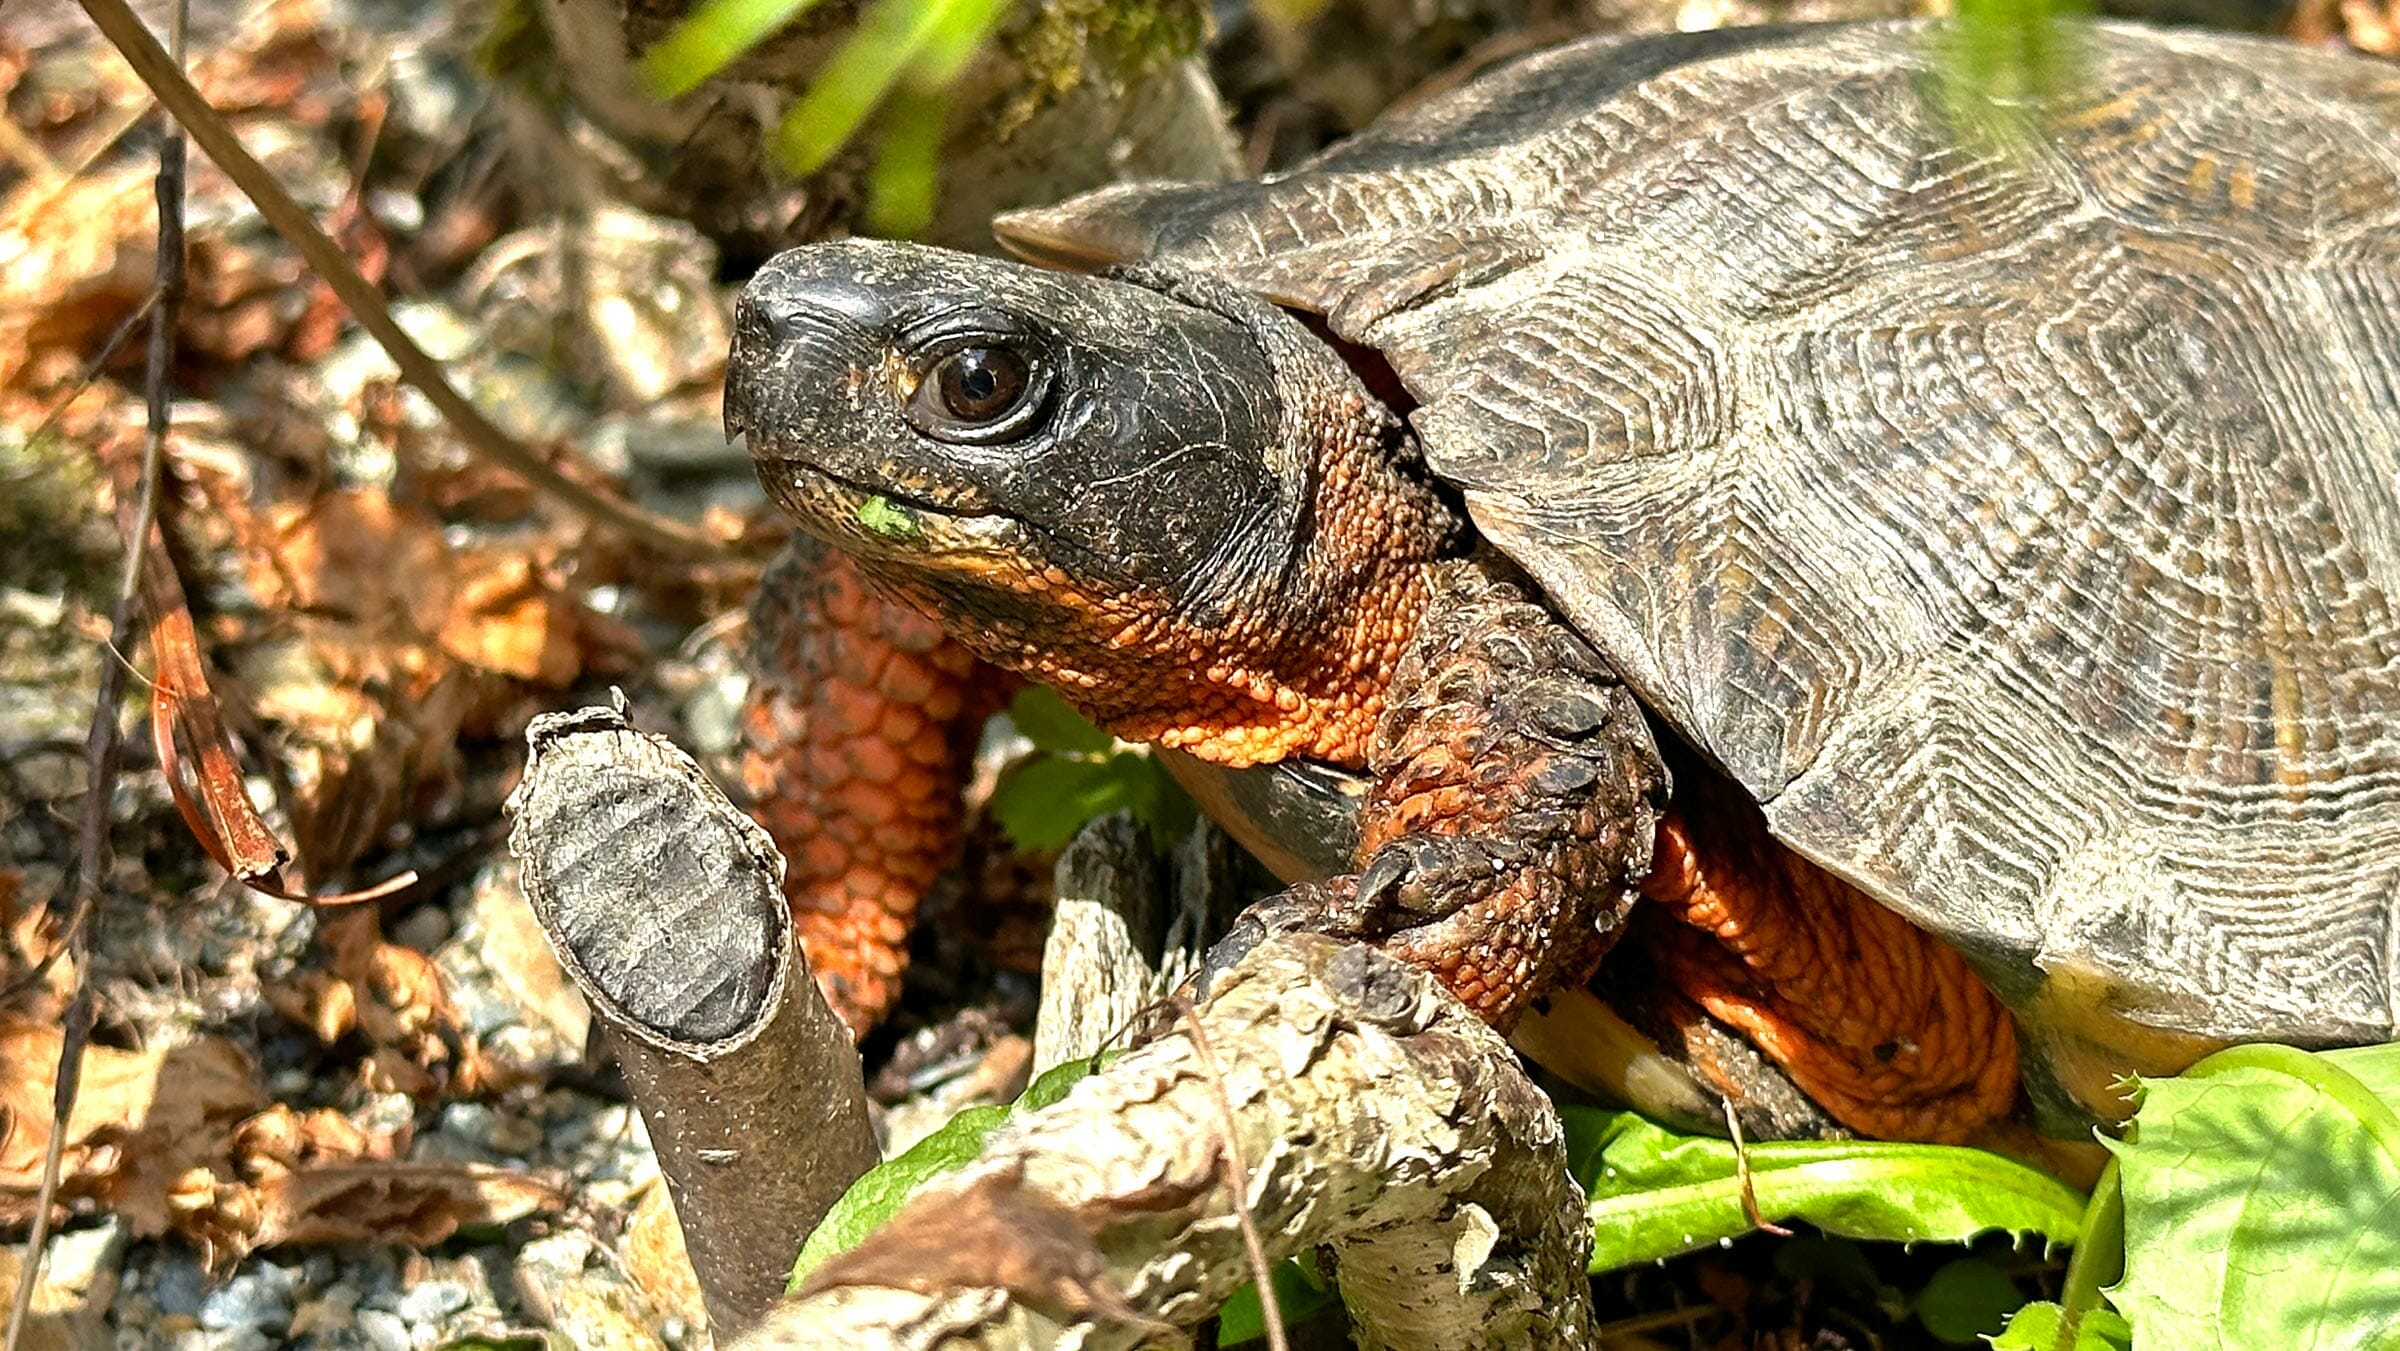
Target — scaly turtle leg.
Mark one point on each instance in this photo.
(1516, 789)
(1883, 1025)
(860, 733)
(1516, 786)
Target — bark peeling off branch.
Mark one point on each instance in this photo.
(1382, 1120)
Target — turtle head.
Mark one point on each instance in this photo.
(1155, 492)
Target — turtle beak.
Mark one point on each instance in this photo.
(792, 324)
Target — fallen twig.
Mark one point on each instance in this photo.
(102, 745)
(164, 75)
(1237, 1181)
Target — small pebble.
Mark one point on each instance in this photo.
(433, 1301)
(256, 1298)
(177, 1286)
(425, 928)
(78, 1257)
(472, 1122)
(384, 1331)
(237, 1339)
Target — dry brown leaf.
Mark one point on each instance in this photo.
(224, 1207)
(2370, 26)
(175, 1139)
(142, 1120)
(29, 936)
(506, 617)
(396, 647)
(419, 1204)
(393, 996)
(280, 1140)
(75, 258)
(354, 555)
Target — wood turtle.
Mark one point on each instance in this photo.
(1994, 506)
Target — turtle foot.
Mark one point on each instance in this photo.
(1882, 1024)
(1516, 787)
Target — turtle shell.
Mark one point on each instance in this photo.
(2015, 516)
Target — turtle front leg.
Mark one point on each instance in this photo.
(1517, 791)
(860, 733)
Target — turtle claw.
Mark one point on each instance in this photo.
(1400, 889)
(1327, 907)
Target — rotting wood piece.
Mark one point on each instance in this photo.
(1130, 926)
(665, 904)
(1383, 1121)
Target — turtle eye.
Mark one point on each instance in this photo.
(985, 391)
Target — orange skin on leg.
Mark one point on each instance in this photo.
(1887, 1028)
(860, 732)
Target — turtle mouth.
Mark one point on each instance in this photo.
(885, 520)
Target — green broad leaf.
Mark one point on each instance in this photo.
(2042, 1327)
(1041, 802)
(1054, 1083)
(1051, 725)
(2262, 1202)
(879, 1194)
(1298, 1298)
(1156, 800)
(1967, 1301)
(1655, 1193)
(710, 38)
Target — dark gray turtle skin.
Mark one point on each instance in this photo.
(2016, 516)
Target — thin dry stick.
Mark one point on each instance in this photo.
(1741, 1170)
(164, 75)
(92, 367)
(102, 745)
(1237, 1184)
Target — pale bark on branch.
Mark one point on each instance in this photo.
(1380, 1119)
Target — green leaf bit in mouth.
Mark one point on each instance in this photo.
(888, 519)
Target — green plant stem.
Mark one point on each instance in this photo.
(2098, 1259)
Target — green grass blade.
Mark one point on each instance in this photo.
(900, 188)
(959, 31)
(710, 38)
(857, 77)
